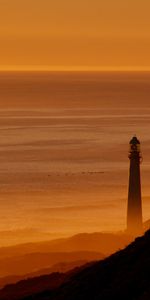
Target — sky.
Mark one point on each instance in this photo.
(69, 34)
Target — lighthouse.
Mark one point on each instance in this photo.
(134, 210)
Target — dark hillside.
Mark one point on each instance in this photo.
(124, 275)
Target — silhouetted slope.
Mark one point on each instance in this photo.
(31, 286)
(25, 259)
(21, 265)
(123, 276)
(61, 267)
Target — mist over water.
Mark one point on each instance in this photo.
(64, 151)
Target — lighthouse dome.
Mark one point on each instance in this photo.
(134, 141)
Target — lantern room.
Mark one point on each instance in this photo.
(134, 145)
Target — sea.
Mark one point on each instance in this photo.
(64, 142)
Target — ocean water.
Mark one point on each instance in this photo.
(64, 151)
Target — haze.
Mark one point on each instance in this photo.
(64, 151)
(43, 34)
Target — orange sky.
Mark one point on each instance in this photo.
(69, 34)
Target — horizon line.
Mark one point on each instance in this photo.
(31, 68)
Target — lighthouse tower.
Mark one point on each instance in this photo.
(134, 211)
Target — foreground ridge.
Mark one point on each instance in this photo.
(123, 275)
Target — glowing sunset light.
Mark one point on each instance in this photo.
(67, 35)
